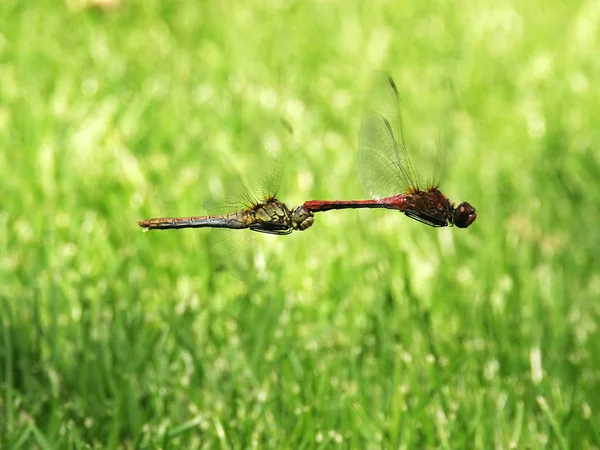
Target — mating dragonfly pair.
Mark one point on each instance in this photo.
(384, 169)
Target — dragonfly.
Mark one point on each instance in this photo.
(259, 209)
(386, 171)
(270, 216)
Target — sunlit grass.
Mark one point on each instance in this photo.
(367, 330)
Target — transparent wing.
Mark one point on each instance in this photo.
(383, 99)
(264, 178)
(384, 167)
(252, 176)
(434, 156)
(252, 170)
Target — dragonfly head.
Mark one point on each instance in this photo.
(302, 218)
(464, 215)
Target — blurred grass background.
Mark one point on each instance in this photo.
(368, 330)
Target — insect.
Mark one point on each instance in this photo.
(269, 216)
(386, 172)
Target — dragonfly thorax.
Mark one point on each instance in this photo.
(430, 207)
(274, 217)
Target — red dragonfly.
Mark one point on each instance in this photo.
(385, 169)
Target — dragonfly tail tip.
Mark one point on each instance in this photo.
(144, 227)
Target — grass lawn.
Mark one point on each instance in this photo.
(368, 330)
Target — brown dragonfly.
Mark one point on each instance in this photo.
(259, 209)
(270, 216)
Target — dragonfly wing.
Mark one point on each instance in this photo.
(381, 169)
(383, 99)
(254, 174)
(383, 163)
(265, 179)
(270, 229)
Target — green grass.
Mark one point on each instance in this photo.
(367, 330)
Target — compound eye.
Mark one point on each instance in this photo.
(464, 215)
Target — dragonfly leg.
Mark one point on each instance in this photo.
(270, 229)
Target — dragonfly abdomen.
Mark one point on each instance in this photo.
(171, 223)
(328, 205)
(398, 202)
